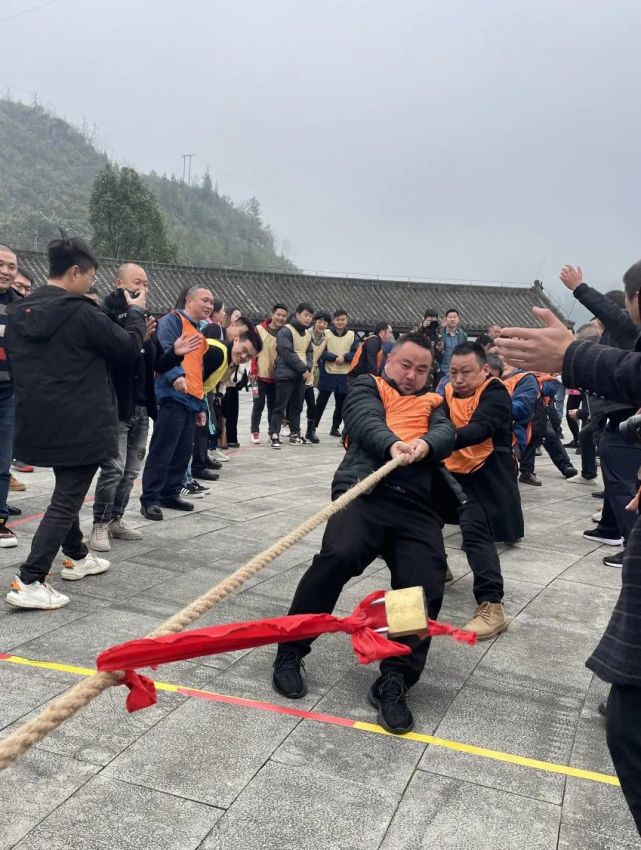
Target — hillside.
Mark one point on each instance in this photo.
(47, 168)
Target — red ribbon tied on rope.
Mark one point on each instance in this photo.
(369, 645)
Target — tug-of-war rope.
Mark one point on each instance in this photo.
(80, 695)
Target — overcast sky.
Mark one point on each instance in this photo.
(442, 138)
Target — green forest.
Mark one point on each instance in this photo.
(47, 173)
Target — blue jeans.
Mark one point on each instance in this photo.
(7, 428)
(118, 474)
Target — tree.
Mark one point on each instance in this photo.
(126, 219)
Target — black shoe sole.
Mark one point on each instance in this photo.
(149, 516)
(371, 699)
(177, 507)
(290, 695)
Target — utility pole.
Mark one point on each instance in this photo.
(187, 156)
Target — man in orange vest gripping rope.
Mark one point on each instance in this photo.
(480, 409)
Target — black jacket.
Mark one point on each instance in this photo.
(61, 347)
(288, 363)
(370, 440)
(368, 363)
(134, 380)
(494, 484)
(602, 370)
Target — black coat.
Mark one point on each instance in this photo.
(61, 347)
(133, 380)
(494, 484)
(370, 440)
(617, 374)
(288, 364)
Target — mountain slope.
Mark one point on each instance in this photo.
(47, 168)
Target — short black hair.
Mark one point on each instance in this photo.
(617, 296)
(339, 312)
(417, 339)
(465, 348)
(218, 302)
(22, 272)
(484, 339)
(381, 326)
(64, 253)
(430, 312)
(304, 305)
(324, 315)
(632, 280)
(452, 310)
(494, 362)
(280, 306)
(251, 335)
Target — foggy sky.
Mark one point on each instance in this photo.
(490, 140)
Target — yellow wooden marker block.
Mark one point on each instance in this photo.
(406, 611)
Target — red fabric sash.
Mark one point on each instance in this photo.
(368, 644)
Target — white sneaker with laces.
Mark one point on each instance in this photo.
(35, 595)
(99, 540)
(587, 482)
(122, 531)
(90, 565)
(216, 454)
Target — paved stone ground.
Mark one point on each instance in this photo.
(195, 774)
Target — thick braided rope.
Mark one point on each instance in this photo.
(84, 692)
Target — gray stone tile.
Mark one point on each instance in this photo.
(455, 815)
(599, 810)
(19, 626)
(223, 745)
(575, 838)
(33, 788)
(24, 689)
(352, 755)
(493, 713)
(293, 808)
(107, 813)
(591, 570)
(535, 562)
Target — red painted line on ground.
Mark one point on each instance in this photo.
(267, 706)
(4, 655)
(26, 519)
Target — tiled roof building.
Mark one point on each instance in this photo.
(367, 301)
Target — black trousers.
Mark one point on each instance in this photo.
(480, 551)
(620, 461)
(588, 451)
(623, 732)
(573, 403)
(230, 412)
(543, 434)
(321, 404)
(171, 446)
(201, 445)
(310, 401)
(411, 542)
(266, 393)
(60, 526)
(289, 399)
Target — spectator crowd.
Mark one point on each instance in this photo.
(82, 383)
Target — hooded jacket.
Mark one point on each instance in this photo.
(289, 366)
(61, 347)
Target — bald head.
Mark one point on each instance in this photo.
(132, 277)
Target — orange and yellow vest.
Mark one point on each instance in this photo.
(192, 364)
(471, 458)
(512, 383)
(408, 416)
(266, 360)
(338, 345)
(359, 353)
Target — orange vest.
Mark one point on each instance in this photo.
(471, 458)
(359, 353)
(193, 362)
(512, 383)
(408, 416)
(542, 378)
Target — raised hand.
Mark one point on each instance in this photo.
(537, 349)
(571, 277)
(150, 328)
(137, 300)
(186, 343)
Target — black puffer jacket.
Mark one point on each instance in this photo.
(61, 347)
(370, 440)
(288, 363)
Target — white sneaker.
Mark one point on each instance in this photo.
(90, 565)
(255, 438)
(587, 482)
(216, 454)
(35, 595)
(99, 540)
(597, 517)
(8, 539)
(118, 528)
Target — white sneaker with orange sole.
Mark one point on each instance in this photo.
(35, 595)
(90, 565)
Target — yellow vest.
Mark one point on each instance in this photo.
(301, 343)
(318, 350)
(338, 345)
(216, 377)
(266, 360)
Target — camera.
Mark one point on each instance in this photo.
(432, 330)
(631, 427)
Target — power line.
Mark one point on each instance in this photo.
(27, 11)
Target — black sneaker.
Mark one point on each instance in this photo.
(569, 472)
(573, 444)
(335, 433)
(276, 443)
(599, 536)
(190, 492)
(598, 494)
(529, 478)
(196, 487)
(298, 440)
(287, 678)
(387, 694)
(615, 560)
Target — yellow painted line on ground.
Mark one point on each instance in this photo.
(469, 749)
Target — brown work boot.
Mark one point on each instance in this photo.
(488, 621)
(16, 486)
